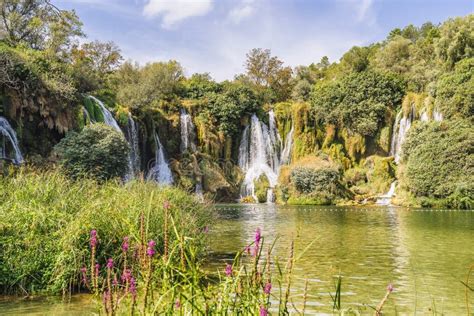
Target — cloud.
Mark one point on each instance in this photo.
(364, 9)
(174, 11)
(244, 10)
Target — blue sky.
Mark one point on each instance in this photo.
(214, 35)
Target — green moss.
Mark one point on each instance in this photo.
(261, 188)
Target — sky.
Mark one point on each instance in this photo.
(214, 35)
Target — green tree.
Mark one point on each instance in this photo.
(98, 150)
(438, 160)
(230, 106)
(267, 72)
(455, 91)
(38, 24)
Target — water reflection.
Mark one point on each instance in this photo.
(423, 253)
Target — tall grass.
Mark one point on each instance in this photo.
(45, 219)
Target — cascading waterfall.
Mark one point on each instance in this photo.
(109, 120)
(108, 117)
(188, 134)
(386, 199)
(286, 152)
(437, 116)
(259, 154)
(8, 132)
(401, 126)
(134, 156)
(160, 172)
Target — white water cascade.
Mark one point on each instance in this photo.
(401, 126)
(286, 152)
(108, 117)
(134, 156)
(259, 154)
(386, 199)
(9, 133)
(188, 134)
(160, 172)
(437, 116)
(132, 131)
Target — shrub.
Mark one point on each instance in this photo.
(98, 150)
(439, 162)
(45, 220)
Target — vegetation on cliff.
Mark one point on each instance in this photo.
(345, 110)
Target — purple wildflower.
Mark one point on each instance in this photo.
(125, 244)
(150, 251)
(255, 250)
(166, 205)
(93, 239)
(177, 304)
(110, 263)
(390, 288)
(258, 235)
(205, 230)
(267, 289)
(133, 287)
(97, 267)
(263, 311)
(126, 275)
(84, 275)
(228, 270)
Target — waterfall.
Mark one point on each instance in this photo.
(7, 131)
(437, 116)
(258, 155)
(188, 135)
(386, 199)
(424, 117)
(108, 117)
(134, 156)
(286, 152)
(199, 191)
(160, 172)
(132, 131)
(400, 128)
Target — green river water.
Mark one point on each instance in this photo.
(425, 254)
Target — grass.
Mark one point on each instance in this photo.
(45, 219)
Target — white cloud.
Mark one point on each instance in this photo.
(245, 9)
(364, 9)
(174, 11)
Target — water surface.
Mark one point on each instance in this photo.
(423, 253)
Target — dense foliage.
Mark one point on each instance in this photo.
(45, 220)
(98, 151)
(344, 109)
(440, 162)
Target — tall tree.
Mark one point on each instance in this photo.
(267, 72)
(39, 24)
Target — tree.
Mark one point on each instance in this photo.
(199, 85)
(356, 59)
(150, 85)
(98, 150)
(230, 106)
(38, 24)
(438, 161)
(267, 72)
(455, 91)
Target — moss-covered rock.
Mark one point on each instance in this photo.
(261, 188)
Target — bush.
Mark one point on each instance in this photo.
(45, 220)
(311, 180)
(98, 150)
(439, 161)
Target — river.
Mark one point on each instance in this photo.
(425, 254)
